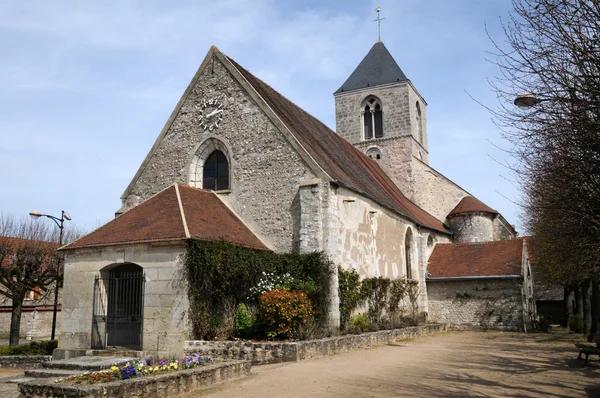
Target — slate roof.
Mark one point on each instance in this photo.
(344, 163)
(377, 67)
(470, 204)
(162, 218)
(455, 260)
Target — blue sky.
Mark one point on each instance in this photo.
(86, 86)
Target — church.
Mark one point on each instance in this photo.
(238, 161)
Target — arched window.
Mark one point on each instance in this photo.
(215, 172)
(407, 252)
(211, 166)
(419, 123)
(372, 119)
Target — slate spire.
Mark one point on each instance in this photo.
(377, 67)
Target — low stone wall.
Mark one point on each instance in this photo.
(273, 352)
(165, 385)
(477, 304)
(24, 361)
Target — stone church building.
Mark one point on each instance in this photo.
(238, 161)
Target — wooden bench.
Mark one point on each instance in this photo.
(587, 350)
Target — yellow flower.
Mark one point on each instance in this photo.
(114, 368)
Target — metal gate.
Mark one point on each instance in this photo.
(118, 309)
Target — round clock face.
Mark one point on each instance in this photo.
(211, 114)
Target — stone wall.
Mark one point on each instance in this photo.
(165, 385)
(433, 192)
(274, 352)
(265, 168)
(165, 297)
(371, 238)
(24, 361)
(401, 138)
(36, 322)
(472, 227)
(502, 229)
(480, 303)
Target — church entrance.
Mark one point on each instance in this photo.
(118, 308)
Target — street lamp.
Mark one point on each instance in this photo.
(526, 100)
(60, 222)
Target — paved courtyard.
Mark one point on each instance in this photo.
(457, 364)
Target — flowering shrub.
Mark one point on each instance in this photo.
(136, 369)
(282, 312)
(269, 281)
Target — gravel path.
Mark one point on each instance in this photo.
(457, 364)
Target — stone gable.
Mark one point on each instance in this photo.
(265, 169)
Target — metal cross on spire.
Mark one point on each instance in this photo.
(378, 20)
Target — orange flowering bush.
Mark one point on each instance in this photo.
(282, 312)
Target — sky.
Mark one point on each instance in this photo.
(86, 86)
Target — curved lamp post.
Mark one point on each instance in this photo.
(60, 222)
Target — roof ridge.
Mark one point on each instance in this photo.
(368, 172)
(182, 212)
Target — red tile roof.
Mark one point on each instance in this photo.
(344, 163)
(162, 219)
(456, 260)
(470, 204)
(19, 242)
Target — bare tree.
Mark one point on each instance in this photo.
(28, 261)
(551, 53)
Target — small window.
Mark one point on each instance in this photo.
(372, 119)
(419, 123)
(407, 253)
(374, 153)
(215, 174)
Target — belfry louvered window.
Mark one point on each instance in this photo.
(372, 119)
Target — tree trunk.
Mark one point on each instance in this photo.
(595, 328)
(15, 320)
(567, 306)
(578, 305)
(587, 308)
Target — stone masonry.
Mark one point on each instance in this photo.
(265, 170)
(489, 303)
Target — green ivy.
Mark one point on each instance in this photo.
(220, 274)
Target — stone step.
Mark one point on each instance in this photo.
(88, 363)
(115, 352)
(20, 380)
(44, 373)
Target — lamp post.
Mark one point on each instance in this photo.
(526, 100)
(60, 222)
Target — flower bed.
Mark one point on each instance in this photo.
(142, 368)
(165, 384)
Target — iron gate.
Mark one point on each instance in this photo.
(118, 309)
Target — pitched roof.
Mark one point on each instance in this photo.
(20, 242)
(377, 67)
(344, 163)
(455, 260)
(470, 204)
(177, 213)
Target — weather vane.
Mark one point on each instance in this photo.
(378, 20)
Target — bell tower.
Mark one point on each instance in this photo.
(380, 112)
